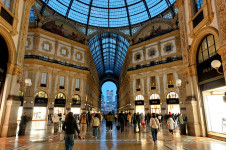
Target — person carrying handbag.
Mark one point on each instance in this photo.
(155, 126)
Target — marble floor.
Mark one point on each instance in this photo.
(39, 136)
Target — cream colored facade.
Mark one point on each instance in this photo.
(14, 33)
(33, 69)
(159, 71)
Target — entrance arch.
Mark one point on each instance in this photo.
(3, 64)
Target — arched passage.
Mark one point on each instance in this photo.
(3, 64)
(108, 97)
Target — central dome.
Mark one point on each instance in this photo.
(110, 13)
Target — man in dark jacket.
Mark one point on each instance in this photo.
(121, 119)
(70, 126)
(138, 117)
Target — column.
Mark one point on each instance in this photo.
(222, 52)
(146, 100)
(11, 105)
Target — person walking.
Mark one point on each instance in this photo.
(70, 126)
(129, 118)
(134, 120)
(95, 124)
(63, 119)
(89, 118)
(121, 120)
(138, 117)
(170, 125)
(155, 126)
(56, 120)
(23, 124)
(110, 119)
(83, 125)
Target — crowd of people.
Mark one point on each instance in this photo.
(76, 125)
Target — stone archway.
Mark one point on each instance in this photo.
(4, 56)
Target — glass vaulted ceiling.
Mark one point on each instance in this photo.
(109, 13)
(108, 52)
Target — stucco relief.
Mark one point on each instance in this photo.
(222, 18)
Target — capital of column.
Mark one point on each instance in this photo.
(190, 71)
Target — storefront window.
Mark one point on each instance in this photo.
(139, 97)
(215, 110)
(41, 95)
(154, 96)
(172, 95)
(60, 96)
(39, 113)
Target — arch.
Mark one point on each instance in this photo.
(60, 96)
(41, 94)
(172, 95)
(109, 77)
(139, 97)
(197, 40)
(10, 45)
(154, 96)
(76, 97)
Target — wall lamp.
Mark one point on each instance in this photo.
(216, 65)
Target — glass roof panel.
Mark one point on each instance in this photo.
(111, 51)
(109, 13)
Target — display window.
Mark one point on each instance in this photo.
(215, 104)
(174, 108)
(140, 109)
(75, 110)
(39, 113)
(59, 110)
(155, 109)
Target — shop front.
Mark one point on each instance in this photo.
(60, 102)
(172, 101)
(139, 104)
(155, 103)
(40, 106)
(76, 104)
(213, 90)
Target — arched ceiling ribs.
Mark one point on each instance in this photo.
(170, 8)
(87, 24)
(69, 8)
(44, 7)
(147, 9)
(128, 18)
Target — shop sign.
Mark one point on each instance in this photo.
(76, 102)
(154, 101)
(41, 102)
(139, 102)
(60, 102)
(172, 101)
(206, 72)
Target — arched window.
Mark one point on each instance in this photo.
(154, 96)
(76, 97)
(172, 95)
(41, 94)
(139, 97)
(60, 96)
(207, 48)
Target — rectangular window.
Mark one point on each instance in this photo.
(152, 53)
(138, 57)
(62, 82)
(138, 84)
(43, 79)
(78, 56)
(63, 51)
(153, 83)
(77, 84)
(170, 80)
(46, 47)
(168, 48)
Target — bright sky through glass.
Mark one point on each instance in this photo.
(109, 86)
(110, 13)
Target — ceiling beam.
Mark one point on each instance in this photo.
(87, 24)
(69, 8)
(170, 8)
(146, 6)
(44, 7)
(130, 31)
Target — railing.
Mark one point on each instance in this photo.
(55, 61)
(154, 63)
